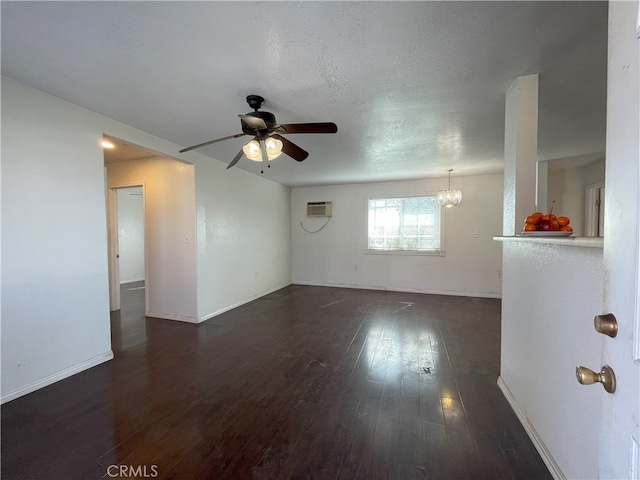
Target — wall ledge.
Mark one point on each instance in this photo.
(589, 242)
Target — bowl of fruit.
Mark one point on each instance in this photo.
(547, 225)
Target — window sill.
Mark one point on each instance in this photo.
(432, 253)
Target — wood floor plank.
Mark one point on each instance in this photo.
(304, 383)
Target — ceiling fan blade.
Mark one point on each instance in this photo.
(235, 159)
(291, 149)
(254, 122)
(324, 127)
(211, 142)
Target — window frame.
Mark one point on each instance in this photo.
(435, 252)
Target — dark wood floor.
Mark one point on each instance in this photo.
(305, 383)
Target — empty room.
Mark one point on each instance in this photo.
(320, 240)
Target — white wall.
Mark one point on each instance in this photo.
(244, 237)
(594, 173)
(520, 152)
(55, 308)
(169, 197)
(470, 266)
(130, 234)
(566, 191)
(55, 302)
(550, 295)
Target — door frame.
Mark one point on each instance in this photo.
(594, 210)
(112, 244)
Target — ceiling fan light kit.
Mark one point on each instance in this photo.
(253, 151)
(449, 198)
(273, 147)
(268, 143)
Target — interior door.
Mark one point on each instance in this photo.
(619, 456)
(112, 246)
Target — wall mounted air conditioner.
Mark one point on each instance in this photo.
(319, 209)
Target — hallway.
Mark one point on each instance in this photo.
(305, 383)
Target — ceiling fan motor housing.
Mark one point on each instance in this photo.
(268, 118)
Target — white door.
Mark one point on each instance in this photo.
(619, 431)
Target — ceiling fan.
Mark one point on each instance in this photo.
(267, 142)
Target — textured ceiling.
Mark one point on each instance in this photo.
(414, 87)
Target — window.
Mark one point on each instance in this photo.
(407, 224)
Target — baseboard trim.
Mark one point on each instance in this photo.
(547, 458)
(56, 377)
(168, 316)
(408, 290)
(241, 302)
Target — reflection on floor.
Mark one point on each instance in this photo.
(130, 319)
(305, 383)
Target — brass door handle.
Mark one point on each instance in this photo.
(606, 324)
(606, 377)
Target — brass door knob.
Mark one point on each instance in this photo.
(606, 324)
(606, 377)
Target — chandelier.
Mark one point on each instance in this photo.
(449, 198)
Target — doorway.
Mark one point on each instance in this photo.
(126, 227)
(594, 210)
(168, 196)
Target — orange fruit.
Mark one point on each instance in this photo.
(566, 228)
(538, 215)
(532, 220)
(563, 221)
(530, 227)
(549, 216)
